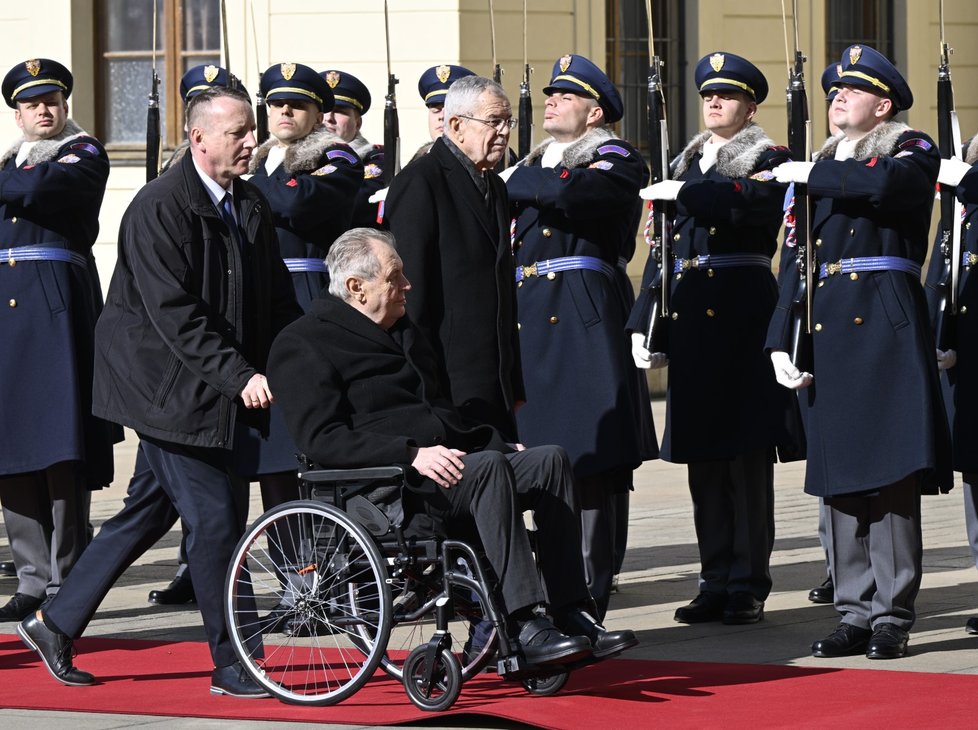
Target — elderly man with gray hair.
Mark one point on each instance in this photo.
(450, 214)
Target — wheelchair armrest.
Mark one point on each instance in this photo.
(349, 476)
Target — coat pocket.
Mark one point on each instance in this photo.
(581, 296)
(167, 381)
(53, 290)
(892, 306)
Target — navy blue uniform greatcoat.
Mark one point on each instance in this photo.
(875, 413)
(47, 322)
(723, 399)
(582, 388)
(312, 196)
(456, 253)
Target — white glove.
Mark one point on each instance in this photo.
(665, 190)
(946, 359)
(952, 171)
(504, 175)
(379, 197)
(643, 358)
(787, 374)
(796, 172)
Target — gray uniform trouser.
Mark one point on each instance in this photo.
(875, 554)
(971, 512)
(46, 516)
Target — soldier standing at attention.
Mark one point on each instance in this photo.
(52, 450)
(877, 432)
(725, 413)
(576, 208)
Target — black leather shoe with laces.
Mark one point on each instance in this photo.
(888, 641)
(20, 607)
(54, 649)
(824, 593)
(604, 643)
(234, 681)
(844, 641)
(179, 592)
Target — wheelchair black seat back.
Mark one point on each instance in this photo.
(323, 591)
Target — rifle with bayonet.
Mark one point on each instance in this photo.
(392, 133)
(497, 76)
(261, 111)
(526, 104)
(949, 144)
(154, 139)
(658, 138)
(799, 142)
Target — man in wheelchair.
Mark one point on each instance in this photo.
(359, 387)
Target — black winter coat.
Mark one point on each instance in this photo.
(188, 320)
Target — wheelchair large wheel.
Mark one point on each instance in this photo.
(413, 622)
(307, 603)
(432, 688)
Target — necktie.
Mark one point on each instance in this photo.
(227, 215)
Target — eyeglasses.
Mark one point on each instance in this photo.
(500, 125)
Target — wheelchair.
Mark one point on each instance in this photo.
(323, 591)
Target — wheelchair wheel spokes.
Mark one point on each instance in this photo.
(305, 587)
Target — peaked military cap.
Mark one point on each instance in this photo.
(722, 71)
(294, 81)
(831, 78)
(35, 77)
(434, 83)
(205, 76)
(580, 76)
(866, 68)
(348, 90)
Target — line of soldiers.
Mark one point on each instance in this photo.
(518, 282)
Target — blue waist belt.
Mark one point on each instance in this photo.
(968, 258)
(41, 253)
(297, 265)
(565, 263)
(869, 263)
(721, 261)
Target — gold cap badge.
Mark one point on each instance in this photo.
(33, 67)
(443, 72)
(287, 70)
(716, 61)
(854, 53)
(210, 73)
(332, 78)
(838, 70)
(565, 62)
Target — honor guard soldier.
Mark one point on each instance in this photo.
(725, 414)
(960, 359)
(576, 208)
(432, 86)
(352, 101)
(53, 450)
(876, 428)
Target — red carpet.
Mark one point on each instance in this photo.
(154, 678)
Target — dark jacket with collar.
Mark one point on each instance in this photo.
(188, 320)
(47, 325)
(354, 395)
(312, 195)
(875, 412)
(457, 257)
(585, 393)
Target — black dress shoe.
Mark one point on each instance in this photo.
(705, 607)
(844, 641)
(55, 651)
(972, 626)
(604, 643)
(889, 641)
(8, 569)
(20, 607)
(542, 643)
(824, 593)
(743, 608)
(179, 592)
(234, 681)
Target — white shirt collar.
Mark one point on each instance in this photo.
(214, 190)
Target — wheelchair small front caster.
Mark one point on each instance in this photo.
(547, 685)
(432, 686)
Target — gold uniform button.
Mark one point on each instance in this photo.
(854, 276)
(12, 263)
(711, 273)
(676, 237)
(963, 310)
(519, 326)
(554, 320)
(818, 327)
(679, 276)
(852, 231)
(552, 275)
(858, 320)
(710, 313)
(713, 230)
(675, 315)
(519, 284)
(546, 233)
(12, 302)
(14, 219)
(967, 226)
(818, 242)
(821, 283)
